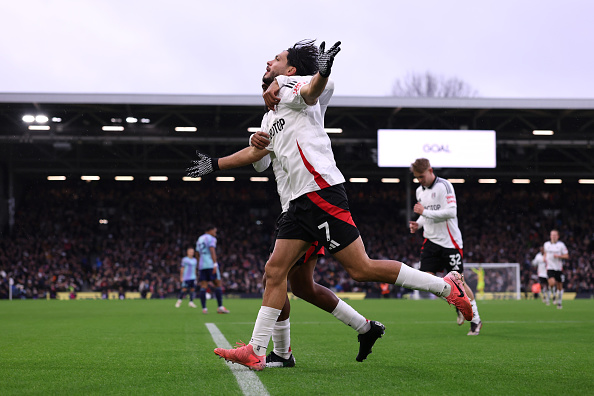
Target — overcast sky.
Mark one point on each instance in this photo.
(502, 48)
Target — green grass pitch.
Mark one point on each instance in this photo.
(141, 347)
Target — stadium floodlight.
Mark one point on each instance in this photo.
(586, 181)
(521, 181)
(124, 178)
(191, 179)
(358, 180)
(103, 221)
(90, 178)
(41, 119)
(543, 132)
(225, 179)
(487, 181)
(259, 179)
(186, 129)
(28, 118)
(56, 119)
(158, 178)
(39, 127)
(254, 129)
(333, 130)
(56, 178)
(145, 120)
(112, 128)
(457, 181)
(131, 120)
(390, 180)
(553, 181)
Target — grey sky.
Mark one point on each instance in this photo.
(515, 49)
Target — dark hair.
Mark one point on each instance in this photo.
(209, 227)
(304, 57)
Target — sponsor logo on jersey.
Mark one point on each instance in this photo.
(450, 199)
(298, 86)
(276, 127)
(433, 207)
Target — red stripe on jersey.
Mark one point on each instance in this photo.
(339, 213)
(454, 242)
(317, 177)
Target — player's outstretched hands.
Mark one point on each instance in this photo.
(203, 166)
(326, 58)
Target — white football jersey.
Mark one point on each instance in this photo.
(298, 139)
(439, 219)
(541, 264)
(559, 248)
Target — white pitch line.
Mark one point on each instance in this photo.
(248, 381)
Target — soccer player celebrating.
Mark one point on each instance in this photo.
(187, 276)
(555, 252)
(209, 268)
(442, 249)
(319, 208)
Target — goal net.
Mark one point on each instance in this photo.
(500, 281)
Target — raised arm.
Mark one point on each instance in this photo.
(312, 91)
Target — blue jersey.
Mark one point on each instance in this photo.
(189, 266)
(203, 245)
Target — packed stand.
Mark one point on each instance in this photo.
(58, 243)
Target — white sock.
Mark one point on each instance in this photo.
(347, 315)
(560, 299)
(265, 321)
(418, 280)
(475, 314)
(281, 338)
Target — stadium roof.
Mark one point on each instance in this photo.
(76, 142)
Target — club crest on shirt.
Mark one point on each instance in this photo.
(433, 195)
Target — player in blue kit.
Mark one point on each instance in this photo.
(187, 277)
(209, 268)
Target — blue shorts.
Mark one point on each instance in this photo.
(208, 276)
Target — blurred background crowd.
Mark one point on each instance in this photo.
(110, 236)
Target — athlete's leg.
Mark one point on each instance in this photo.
(285, 254)
(203, 287)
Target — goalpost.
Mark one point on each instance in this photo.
(501, 281)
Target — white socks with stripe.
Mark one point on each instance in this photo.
(417, 280)
(281, 338)
(263, 328)
(347, 315)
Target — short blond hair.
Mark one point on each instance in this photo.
(420, 165)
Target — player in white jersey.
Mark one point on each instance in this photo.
(319, 208)
(301, 278)
(541, 271)
(209, 268)
(442, 248)
(187, 277)
(555, 252)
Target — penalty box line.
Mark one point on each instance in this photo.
(248, 381)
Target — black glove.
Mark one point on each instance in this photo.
(203, 166)
(325, 59)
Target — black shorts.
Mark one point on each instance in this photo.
(435, 258)
(322, 216)
(543, 281)
(315, 248)
(207, 275)
(557, 275)
(189, 284)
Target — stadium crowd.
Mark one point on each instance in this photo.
(115, 236)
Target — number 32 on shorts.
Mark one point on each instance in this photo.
(455, 261)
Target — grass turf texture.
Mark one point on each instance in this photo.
(150, 347)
